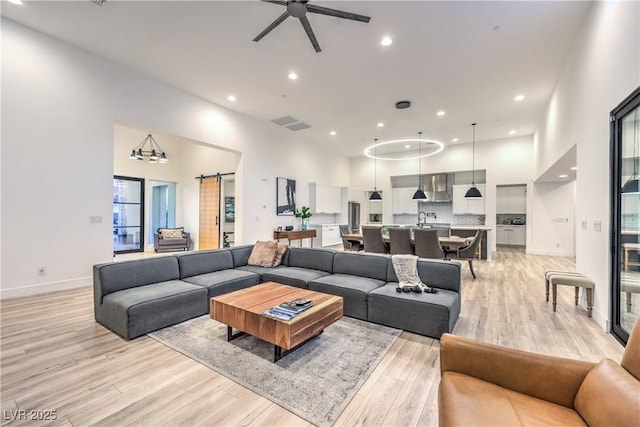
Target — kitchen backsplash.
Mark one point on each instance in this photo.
(507, 218)
(441, 218)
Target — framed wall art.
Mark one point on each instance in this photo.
(285, 196)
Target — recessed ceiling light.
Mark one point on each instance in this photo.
(293, 75)
(512, 132)
(563, 176)
(575, 168)
(455, 140)
(332, 133)
(380, 124)
(15, 1)
(407, 146)
(518, 98)
(231, 98)
(441, 113)
(386, 41)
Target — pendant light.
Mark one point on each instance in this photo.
(419, 195)
(375, 196)
(631, 186)
(473, 192)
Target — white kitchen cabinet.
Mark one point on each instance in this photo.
(402, 201)
(502, 235)
(325, 198)
(517, 236)
(514, 235)
(327, 235)
(511, 200)
(468, 206)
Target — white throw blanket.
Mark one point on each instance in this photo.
(406, 268)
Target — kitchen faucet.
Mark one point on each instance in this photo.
(425, 218)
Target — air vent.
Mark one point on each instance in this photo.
(291, 123)
(298, 126)
(283, 121)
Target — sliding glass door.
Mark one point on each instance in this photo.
(625, 214)
(128, 214)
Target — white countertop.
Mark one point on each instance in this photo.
(470, 227)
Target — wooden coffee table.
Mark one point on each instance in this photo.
(243, 310)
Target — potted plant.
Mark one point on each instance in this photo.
(304, 214)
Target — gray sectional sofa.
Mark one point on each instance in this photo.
(132, 298)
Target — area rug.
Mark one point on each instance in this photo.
(316, 381)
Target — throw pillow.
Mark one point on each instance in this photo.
(171, 233)
(281, 248)
(406, 269)
(263, 254)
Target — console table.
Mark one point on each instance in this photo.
(295, 235)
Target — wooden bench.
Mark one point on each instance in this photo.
(554, 278)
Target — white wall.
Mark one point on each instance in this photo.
(187, 159)
(507, 161)
(603, 68)
(552, 219)
(59, 108)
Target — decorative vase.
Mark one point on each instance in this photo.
(305, 223)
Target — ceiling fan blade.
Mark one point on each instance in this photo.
(337, 13)
(312, 37)
(274, 24)
(280, 2)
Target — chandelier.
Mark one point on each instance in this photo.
(155, 152)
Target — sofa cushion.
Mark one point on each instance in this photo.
(362, 264)
(609, 396)
(425, 313)
(201, 262)
(263, 254)
(260, 271)
(240, 255)
(353, 289)
(281, 249)
(116, 276)
(468, 401)
(315, 259)
(224, 281)
(293, 276)
(136, 311)
(434, 273)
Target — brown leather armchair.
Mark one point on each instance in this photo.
(488, 385)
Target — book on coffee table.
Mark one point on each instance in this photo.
(289, 309)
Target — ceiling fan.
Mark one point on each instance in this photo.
(298, 9)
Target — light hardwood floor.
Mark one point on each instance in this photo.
(55, 357)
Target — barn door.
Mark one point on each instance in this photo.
(209, 233)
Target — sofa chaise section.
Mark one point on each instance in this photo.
(214, 271)
(133, 298)
(300, 266)
(425, 313)
(354, 276)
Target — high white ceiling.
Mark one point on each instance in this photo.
(469, 59)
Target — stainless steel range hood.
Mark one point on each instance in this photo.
(436, 187)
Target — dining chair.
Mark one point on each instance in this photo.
(442, 231)
(400, 241)
(373, 241)
(467, 252)
(427, 244)
(349, 245)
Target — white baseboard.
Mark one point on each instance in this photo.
(41, 288)
(550, 253)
